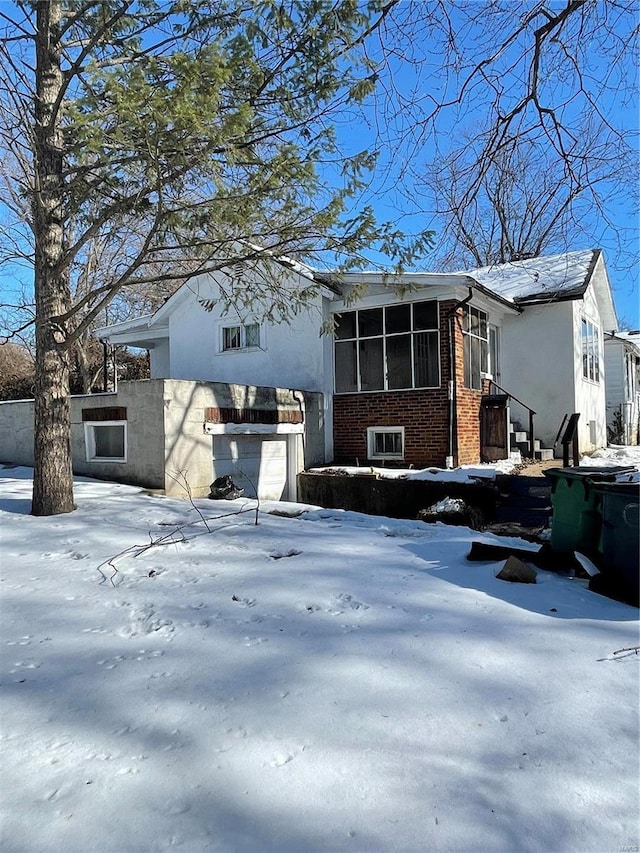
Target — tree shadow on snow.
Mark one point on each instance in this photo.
(555, 595)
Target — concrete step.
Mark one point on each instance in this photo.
(537, 444)
(523, 447)
(520, 436)
(543, 454)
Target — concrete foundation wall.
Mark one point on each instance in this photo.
(16, 432)
(391, 497)
(143, 401)
(166, 439)
(145, 434)
(188, 450)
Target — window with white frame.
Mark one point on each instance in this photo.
(106, 441)
(590, 350)
(240, 336)
(476, 347)
(494, 353)
(385, 442)
(387, 348)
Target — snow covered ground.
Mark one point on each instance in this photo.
(613, 456)
(326, 682)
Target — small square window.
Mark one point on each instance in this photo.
(252, 335)
(240, 337)
(385, 442)
(106, 441)
(231, 338)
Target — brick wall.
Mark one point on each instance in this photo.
(468, 407)
(424, 414)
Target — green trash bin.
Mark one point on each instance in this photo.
(577, 518)
(619, 544)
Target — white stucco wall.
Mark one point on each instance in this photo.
(159, 362)
(538, 365)
(542, 364)
(290, 355)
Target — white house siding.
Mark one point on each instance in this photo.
(290, 355)
(615, 386)
(538, 365)
(159, 361)
(620, 397)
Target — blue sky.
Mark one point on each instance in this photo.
(417, 69)
(610, 80)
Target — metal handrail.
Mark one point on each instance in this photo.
(512, 396)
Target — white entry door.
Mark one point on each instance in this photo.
(254, 463)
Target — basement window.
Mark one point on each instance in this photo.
(106, 441)
(385, 442)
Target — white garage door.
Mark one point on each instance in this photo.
(254, 462)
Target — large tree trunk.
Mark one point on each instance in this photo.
(53, 480)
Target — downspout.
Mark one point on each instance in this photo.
(105, 365)
(452, 391)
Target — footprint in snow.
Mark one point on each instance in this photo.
(25, 664)
(144, 620)
(255, 641)
(23, 641)
(279, 555)
(281, 759)
(345, 601)
(176, 807)
(243, 602)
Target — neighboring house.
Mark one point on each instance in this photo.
(622, 366)
(530, 332)
(423, 369)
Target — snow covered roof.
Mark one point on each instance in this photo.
(563, 276)
(632, 338)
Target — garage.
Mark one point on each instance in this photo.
(259, 462)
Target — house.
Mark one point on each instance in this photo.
(407, 374)
(622, 367)
(422, 369)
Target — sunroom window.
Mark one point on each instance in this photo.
(388, 348)
(476, 347)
